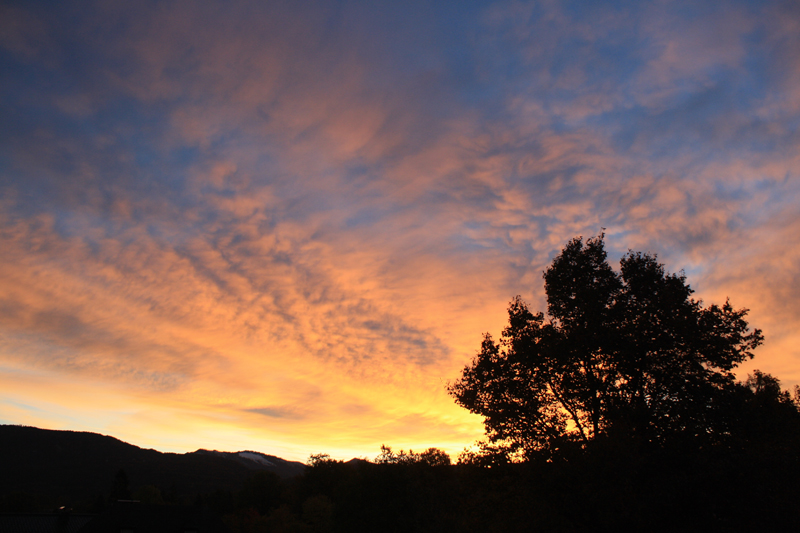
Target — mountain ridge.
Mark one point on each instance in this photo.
(78, 466)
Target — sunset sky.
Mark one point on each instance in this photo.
(285, 226)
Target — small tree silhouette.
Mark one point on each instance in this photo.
(119, 488)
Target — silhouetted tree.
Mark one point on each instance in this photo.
(764, 418)
(119, 488)
(430, 457)
(626, 353)
(434, 457)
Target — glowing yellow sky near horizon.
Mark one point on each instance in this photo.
(254, 226)
(195, 365)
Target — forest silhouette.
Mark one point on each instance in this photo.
(616, 409)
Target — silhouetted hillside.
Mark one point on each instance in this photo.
(74, 467)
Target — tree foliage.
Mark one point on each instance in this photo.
(430, 457)
(626, 352)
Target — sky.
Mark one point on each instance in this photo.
(285, 226)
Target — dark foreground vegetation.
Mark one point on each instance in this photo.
(609, 486)
(617, 410)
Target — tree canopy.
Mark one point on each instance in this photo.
(430, 457)
(626, 353)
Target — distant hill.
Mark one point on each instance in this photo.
(72, 466)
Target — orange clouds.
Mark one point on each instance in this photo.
(254, 226)
(233, 322)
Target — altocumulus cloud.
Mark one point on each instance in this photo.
(288, 227)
